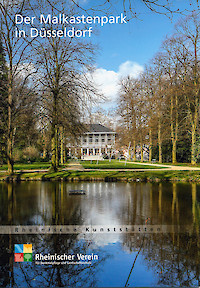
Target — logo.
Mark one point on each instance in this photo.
(23, 253)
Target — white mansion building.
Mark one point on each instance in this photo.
(97, 141)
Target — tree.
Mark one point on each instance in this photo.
(130, 7)
(127, 110)
(131, 108)
(3, 102)
(103, 117)
(170, 89)
(15, 55)
(63, 64)
(188, 30)
(25, 114)
(157, 102)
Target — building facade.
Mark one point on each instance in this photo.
(96, 142)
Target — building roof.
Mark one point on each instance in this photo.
(98, 128)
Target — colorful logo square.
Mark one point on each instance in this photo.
(27, 257)
(19, 248)
(23, 253)
(27, 248)
(19, 257)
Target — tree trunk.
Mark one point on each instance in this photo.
(173, 151)
(61, 146)
(142, 154)
(134, 154)
(159, 142)
(174, 126)
(194, 128)
(54, 136)
(9, 140)
(150, 145)
(172, 130)
(53, 148)
(44, 154)
(141, 148)
(64, 154)
(57, 147)
(193, 147)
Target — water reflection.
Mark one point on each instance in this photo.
(170, 259)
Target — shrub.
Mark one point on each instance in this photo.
(30, 153)
(17, 155)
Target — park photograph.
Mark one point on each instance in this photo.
(100, 143)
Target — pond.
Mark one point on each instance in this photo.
(110, 258)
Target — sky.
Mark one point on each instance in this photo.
(124, 49)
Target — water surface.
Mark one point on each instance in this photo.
(125, 260)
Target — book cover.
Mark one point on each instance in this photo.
(99, 143)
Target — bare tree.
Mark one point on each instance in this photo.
(131, 108)
(3, 103)
(63, 65)
(15, 49)
(132, 8)
(171, 70)
(188, 30)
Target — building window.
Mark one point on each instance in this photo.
(90, 139)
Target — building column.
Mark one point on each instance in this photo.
(113, 139)
(81, 151)
(106, 138)
(100, 151)
(93, 151)
(87, 151)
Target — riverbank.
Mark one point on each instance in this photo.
(106, 176)
(82, 165)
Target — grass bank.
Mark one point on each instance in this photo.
(28, 166)
(176, 164)
(108, 176)
(115, 164)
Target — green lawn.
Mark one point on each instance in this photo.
(115, 164)
(183, 164)
(170, 164)
(32, 166)
(109, 176)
